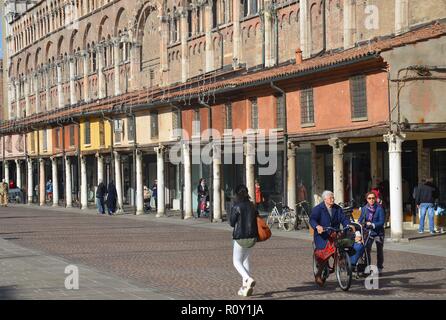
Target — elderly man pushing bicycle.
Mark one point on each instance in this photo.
(327, 214)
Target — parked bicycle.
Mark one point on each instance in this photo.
(303, 216)
(348, 208)
(286, 219)
(341, 264)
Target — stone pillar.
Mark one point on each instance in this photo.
(216, 172)
(116, 42)
(184, 49)
(30, 180)
(208, 17)
(18, 173)
(338, 168)
(163, 49)
(401, 16)
(187, 182)
(101, 76)
(135, 60)
(236, 48)
(73, 97)
(6, 164)
(68, 192)
(249, 166)
(100, 160)
(269, 56)
(349, 23)
(395, 141)
(86, 71)
(160, 177)
(55, 182)
(42, 182)
(118, 179)
(305, 32)
(47, 85)
(60, 85)
(139, 184)
(291, 175)
(84, 189)
(27, 93)
(374, 163)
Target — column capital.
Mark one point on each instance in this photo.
(116, 41)
(72, 58)
(98, 155)
(291, 146)
(394, 140)
(160, 149)
(116, 155)
(337, 145)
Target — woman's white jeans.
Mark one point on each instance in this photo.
(241, 260)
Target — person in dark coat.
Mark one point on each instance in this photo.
(244, 221)
(426, 195)
(203, 196)
(373, 217)
(111, 198)
(326, 214)
(101, 192)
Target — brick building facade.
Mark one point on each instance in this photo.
(97, 88)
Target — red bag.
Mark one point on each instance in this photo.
(264, 232)
(324, 254)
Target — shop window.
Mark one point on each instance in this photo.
(358, 96)
(307, 106)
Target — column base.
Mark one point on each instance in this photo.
(159, 215)
(188, 217)
(217, 220)
(84, 208)
(55, 205)
(139, 212)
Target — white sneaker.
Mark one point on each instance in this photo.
(245, 292)
(241, 291)
(250, 282)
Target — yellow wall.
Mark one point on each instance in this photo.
(29, 137)
(49, 145)
(94, 135)
(164, 127)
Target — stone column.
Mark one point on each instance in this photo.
(116, 42)
(249, 166)
(30, 180)
(27, 93)
(338, 168)
(84, 189)
(100, 160)
(216, 172)
(395, 141)
(208, 36)
(349, 23)
(184, 50)
(401, 16)
(6, 164)
(305, 32)
(139, 184)
(187, 182)
(269, 58)
(135, 60)
(236, 48)
(86, 71)
(291, 175)
(160, 178)
(163, 48)
(101, 76)
(48, 94)
(42, 182)
(374, 163)
(68, 192)
(55, 182)
(118, 179)
(60, 85)
(18, 112)
(73, 97)
(18, 173)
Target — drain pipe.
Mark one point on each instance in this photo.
(285, 145)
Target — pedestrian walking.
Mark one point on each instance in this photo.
(112, 196)
(49, 190)
(259, 195)
(244, 221)
(4, 190)
(147, 198)
(154, 201)
(373, 217)
(101, 192)
(426, 195)
(203, 197)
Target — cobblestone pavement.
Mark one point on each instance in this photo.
(192, 259)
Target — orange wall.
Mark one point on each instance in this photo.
(267, 112)
(67, 138)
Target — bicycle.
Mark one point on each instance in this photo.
(341, 261)
(286, 219)
(302, 214)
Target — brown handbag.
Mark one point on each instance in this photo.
(264, 232)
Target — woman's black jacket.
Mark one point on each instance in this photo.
(244, 220)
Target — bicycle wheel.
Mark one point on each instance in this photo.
(344, 270)
(289, 222)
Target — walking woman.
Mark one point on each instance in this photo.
(203, 197)
(111, 198)
(244, 221)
